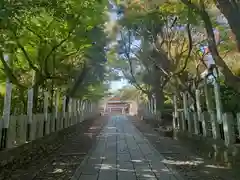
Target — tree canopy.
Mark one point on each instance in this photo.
(76, 48)
(55, 46)
(163, 46)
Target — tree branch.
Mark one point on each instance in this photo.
(12, 78)
(52, 51)
(30, 63)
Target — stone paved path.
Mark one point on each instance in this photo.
(122, 153)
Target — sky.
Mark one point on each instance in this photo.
(115, 85)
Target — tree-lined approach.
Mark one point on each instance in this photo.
(74, 48)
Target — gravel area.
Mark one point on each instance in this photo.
(60, 162)
(180, 157)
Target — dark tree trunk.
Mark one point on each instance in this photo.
(230, 78)
(230, 9)
(158, 90)
(35, 98)
(160, 100)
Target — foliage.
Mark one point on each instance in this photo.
(230, 99)
(160, 43)
(131, 93)
(53, 46)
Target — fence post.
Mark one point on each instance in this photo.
(74, 111)
(209, 102)
(175, 114)
(83, 109)
(78, 110)
(149, 109)
(64, 112)
(69, 118)
(196, 123)
(215, 126)
(6, 115)
(1, 132)
(228, 128)
(198, 104)
(206, 124)
(45, 111)
(208, 96)
(183, 120)
(218, 101)
(56, 111)
(186, 110)
(238, 124)
(90, 109)
(30, 132)
(152, 106)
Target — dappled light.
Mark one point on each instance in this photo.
(119, 90)
(57, 171)
(191, 163)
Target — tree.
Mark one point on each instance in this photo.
(230, 9)
(54, 41)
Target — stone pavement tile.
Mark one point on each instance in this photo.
(123, 154)
(100, 149)
(92, 166)
(141, 166)
(121, 136)
(111, 144)
(111, 138)
(126, 176)
(137, 156)
(134, 149)
(144, 170)
(145, 149)
(139, 161)
(96, 159)
(108, 167)
(165, 175)
(88, 177)
(128, 166)
(159, 166)
(149, 178)
(121, 143)
(131, 141)
(93, 161)
(122, 150)
(107, 175)
(110, 160)
(90, 170)
(110, 150)
(124, 157)
(133, 146)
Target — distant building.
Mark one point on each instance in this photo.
(115, 105)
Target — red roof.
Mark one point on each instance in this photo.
(115, 99)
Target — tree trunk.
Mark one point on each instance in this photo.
(52, 97)
(158, 90)
(231, 11)
(159, 100)
(36, 92)
(35, 98)
(230, 78)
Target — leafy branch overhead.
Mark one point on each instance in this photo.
(54, 45)
(161, 43)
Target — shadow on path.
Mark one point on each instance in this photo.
(178, 155)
